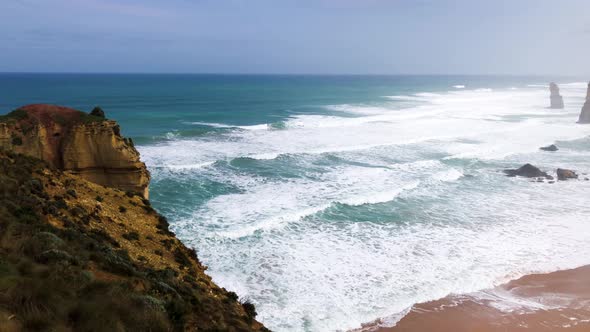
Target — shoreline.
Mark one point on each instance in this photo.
(553, 301)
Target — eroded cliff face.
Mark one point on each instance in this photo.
(556, 98)
(89, 146)
(77, 256)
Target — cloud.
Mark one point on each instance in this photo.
(105, 6)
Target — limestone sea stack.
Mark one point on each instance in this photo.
(556, 98)
(585, 114)
(87, 145)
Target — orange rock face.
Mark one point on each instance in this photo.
(74, 141)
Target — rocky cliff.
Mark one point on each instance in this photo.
(585, 114)
(77, 256)
(556, 98)
(82, 144)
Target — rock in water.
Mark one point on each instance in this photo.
(551, 148)
(71, 140)
(556, 98)
(528, 171)
(585, 114)
(564, 174)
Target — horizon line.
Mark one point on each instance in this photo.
(278, 74)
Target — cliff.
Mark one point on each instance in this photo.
(86, 145)
(585, 113)
(81, 248)
(555, 97)
(77, 256)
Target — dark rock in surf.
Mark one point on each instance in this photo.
(556, 98)
(585, 114)
(564, 174)
(551, 148)
(528, 171)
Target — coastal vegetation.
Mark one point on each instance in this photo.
(77, 256)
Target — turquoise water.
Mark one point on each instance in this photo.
(331, 201)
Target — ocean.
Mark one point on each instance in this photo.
(332, 201)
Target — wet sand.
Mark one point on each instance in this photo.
(558, 301)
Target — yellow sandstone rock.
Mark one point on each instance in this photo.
(70, 140)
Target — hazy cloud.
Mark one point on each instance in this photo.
(296, 36)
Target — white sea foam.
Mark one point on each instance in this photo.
(222, 125)
(285, 242)
(365, 271)
(409, 98)
(189, 166)
(578, 85)
(448, 175)
(380, 197)
(459, 86)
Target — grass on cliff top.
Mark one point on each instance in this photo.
(84, 118)
(14, 116)
(79, 277)
(20, 114)
(88, 118)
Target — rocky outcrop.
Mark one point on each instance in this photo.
(556, 98)
(86, 145)
(585, 114)
(528, 171)
(551, 148)
(77, 256)
(564, 174)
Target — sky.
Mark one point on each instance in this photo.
(517, 37)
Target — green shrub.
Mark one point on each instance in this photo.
(131, 236)
(26, 215)
(250, 309)
(60, 203)
(98, 112)
(180, 257)
(88, 118)
(232, 296)
(16, 140)
(15, 115)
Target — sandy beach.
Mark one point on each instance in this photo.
(538, 302)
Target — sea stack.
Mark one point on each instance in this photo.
(585, 114)
(83, 144)
(556, 98)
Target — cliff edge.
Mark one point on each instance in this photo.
(77, 256)
(81, 248)
(86, 145)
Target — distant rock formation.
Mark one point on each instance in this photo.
(585, 114)
(551, 148)
(70, 140)
(528, 171)
(556, 98)
(564, 174)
